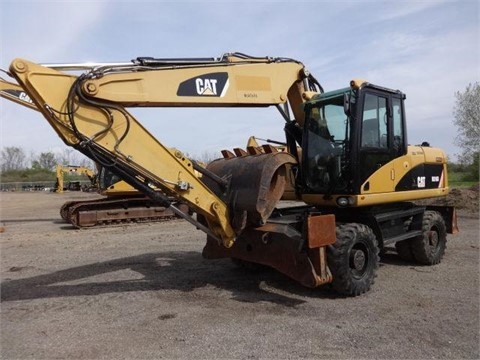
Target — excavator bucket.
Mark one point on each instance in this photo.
(255, 185)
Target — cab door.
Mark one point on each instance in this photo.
(380, 140)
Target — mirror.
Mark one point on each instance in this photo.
(346, 104)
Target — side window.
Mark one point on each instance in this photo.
(397, 125)
(374, 126)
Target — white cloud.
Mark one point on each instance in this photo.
(40, 32)
(429, 69)
(394, 10)
(46, 30)
(428, 49)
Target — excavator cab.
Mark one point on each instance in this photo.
(351, 133)
(325, 143)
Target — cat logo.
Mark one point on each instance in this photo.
(206, 86)
(212, 84)
(24, 97)
(16, 94)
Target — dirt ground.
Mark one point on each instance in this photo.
(143, 291)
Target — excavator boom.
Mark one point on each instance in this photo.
(89, 113)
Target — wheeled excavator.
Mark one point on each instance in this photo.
(347, 160)
(119, 204)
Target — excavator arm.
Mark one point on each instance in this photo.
(15, 93)
(89, 113)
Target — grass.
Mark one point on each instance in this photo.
(456, 179)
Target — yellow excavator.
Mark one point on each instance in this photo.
(62, 170)
(347, 160)
(120, 203)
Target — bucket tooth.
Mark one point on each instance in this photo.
(269, 149)
(227, 154)
(240, 152)
(253, 150)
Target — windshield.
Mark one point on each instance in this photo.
(326, 135)
(107, 178)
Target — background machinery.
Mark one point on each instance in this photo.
(120, 203)
(62, 170)
(348, 161)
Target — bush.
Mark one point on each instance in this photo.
(472, 171)
(27, 175)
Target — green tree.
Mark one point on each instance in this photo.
(46, 161)
(473, 170)
(467, 119)
(13, 158)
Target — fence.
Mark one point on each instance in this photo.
(35, 185)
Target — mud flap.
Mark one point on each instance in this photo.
(449, 215)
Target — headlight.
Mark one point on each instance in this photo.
(344, 201)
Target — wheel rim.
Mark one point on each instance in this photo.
(359, 260)
(433, 239)
(433, 242)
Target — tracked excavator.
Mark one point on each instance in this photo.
(119, 204)
(347, 160)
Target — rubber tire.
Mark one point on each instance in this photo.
(429, 248)
(353, 241)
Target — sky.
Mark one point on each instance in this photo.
(428, 49)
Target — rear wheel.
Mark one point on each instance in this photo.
(353, 259)
(429, 248)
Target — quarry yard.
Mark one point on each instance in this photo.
(143, 291)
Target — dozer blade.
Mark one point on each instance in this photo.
(280, 247)
(256, 185)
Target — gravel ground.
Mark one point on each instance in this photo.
(143, 291)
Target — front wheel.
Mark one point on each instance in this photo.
(353, 259)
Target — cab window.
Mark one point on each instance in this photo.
(374, 125)
(397, 126)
